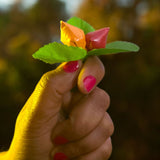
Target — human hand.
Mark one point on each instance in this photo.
(58, 122)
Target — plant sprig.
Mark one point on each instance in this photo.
(57, 52)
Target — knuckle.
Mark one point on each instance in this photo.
(78, 127)
(111, 128)
(102, 96)
(86, 146)
(47, 79)
(107, 127)
(110, 125)
(75, 149)
(106, 149)
(72, 150)
(44, 80)
(78, 149)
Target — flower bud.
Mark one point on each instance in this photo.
(97, 39)
(72, 36)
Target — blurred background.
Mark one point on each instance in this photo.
(132, 80)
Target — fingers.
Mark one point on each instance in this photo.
(84, 117)
(46, 100)
(89, 143)
(70, 100)
(102, 153)
(91, 74)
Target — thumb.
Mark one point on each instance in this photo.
(46, 100)
(39, 116)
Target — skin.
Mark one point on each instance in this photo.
(56, 109)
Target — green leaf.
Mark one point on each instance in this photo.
(126, 46)
(57, 53)
(115, 47)
(77, 22)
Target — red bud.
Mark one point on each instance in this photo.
(97, 39)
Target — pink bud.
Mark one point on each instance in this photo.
(97, 39)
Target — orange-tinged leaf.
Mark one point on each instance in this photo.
(72, 36)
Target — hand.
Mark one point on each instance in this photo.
(58, 122)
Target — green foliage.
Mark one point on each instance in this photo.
(57, 53)
(115, 47)
(77, 22)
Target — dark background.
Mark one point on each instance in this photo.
(132, 79)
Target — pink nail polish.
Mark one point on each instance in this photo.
(60, 140)
(71, 66)
(60, 156)
(89, 82)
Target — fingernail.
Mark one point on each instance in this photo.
(60, 156)
(60, 140)
(71, 66)
(89, 82)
